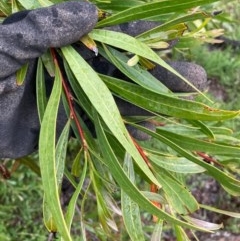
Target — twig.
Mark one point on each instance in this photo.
(69, 97)
(208, 159)
(153, 187)
(4, 172)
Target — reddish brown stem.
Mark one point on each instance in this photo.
(208, 159)
(69, 97)
(141, 151)
(153, 187)
(4, 172)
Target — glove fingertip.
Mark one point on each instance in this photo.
(194, 73)
(64, 23)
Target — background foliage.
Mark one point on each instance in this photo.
(124, 189)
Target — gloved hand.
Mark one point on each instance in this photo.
(25, 36)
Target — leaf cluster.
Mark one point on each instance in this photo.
(113, 160)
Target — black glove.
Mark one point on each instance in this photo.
(24, 37)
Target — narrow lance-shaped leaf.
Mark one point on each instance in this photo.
(177, 195)
(40, 90)
(202, 127)
(157, 232)
(76, 166)
(174, 32)
(216, 210)
(199, 145)
(47, 158)
(150, 10)
(72, 204)
(104, 214)
(195, 131)
(175, 164)
(130, 209)
(117, 5)
(155, 197)
(166, 26)
(164, 104)
(48, 63)
(61, 151)
(78, 91)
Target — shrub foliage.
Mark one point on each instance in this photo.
(131, 181)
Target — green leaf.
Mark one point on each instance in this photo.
(170, 24)
(165, 104)
(45, 3)
(180, 234)
(48, 217)
(176, 164)
(130, 209)
(15, 7)
(48, 63)
(47, 158)
(174, 32)
(135, 73)
(193, 144)
(131, 44)
(128, 187)
(29, 4)
(177, 195)
(5, 7)
(21, 74)
(216, 210)
(72, 204)
(157, 232)
(116, 5)
(76, 166)
(203, 128)
(156, 197)
(83, 100)
(60, 165)
(104, 214)
(61, 151)
(102, 100)
(40, 90)
(152, 9)
(196, 131)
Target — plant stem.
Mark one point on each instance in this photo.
(70, 99)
